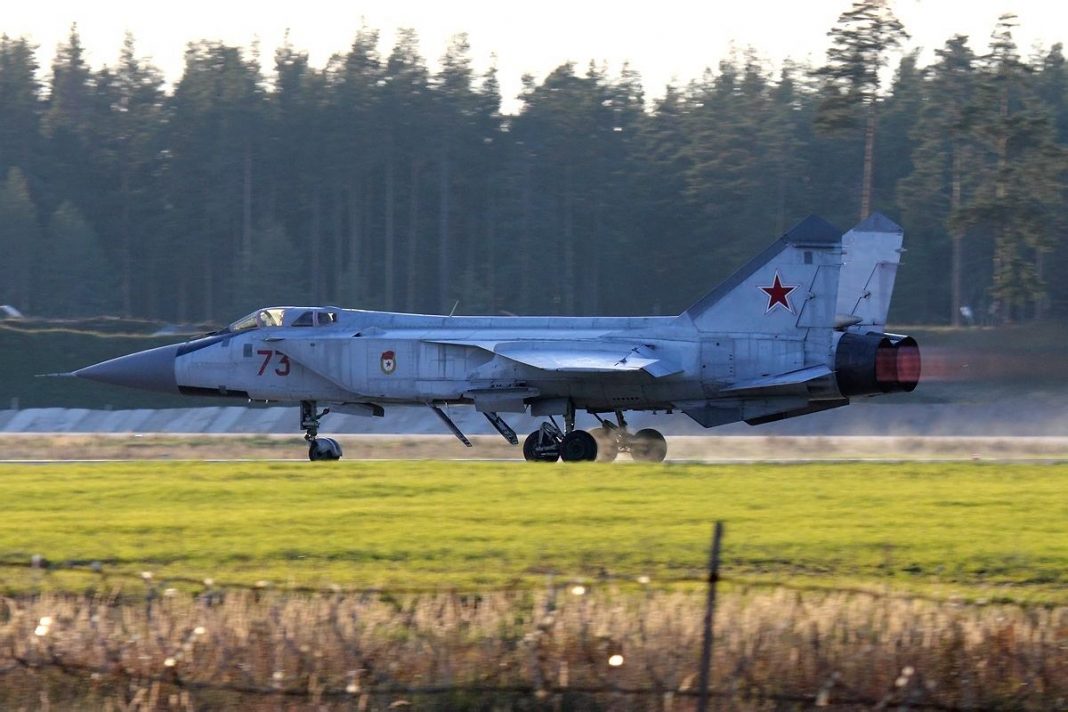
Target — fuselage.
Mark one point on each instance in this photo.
(387, 357)
(798, 329)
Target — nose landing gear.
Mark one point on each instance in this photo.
(324, 449)
(318, 448)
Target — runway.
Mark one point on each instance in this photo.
(94, 447)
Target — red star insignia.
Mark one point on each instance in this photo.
(778, 294)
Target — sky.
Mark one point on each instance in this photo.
(668, 41)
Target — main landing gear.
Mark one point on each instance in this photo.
(549, 444)
(646, 445)
(318, 448)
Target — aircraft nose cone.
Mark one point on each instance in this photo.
(151, 370)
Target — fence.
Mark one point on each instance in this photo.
(821, 698)
(557, 650)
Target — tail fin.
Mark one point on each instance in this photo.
(792, 284)
(871, 252)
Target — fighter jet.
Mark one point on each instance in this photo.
(799, 329)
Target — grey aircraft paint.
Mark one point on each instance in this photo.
(797, 330)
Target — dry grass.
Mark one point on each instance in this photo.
(775, 649)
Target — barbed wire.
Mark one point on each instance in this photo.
(823, 698)
(833, 693)
(525, 584)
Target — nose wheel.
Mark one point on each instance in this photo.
(318, 448)
(324, 449)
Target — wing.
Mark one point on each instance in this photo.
(578, 356)
(561, 356)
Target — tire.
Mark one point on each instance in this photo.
(578, 446)
(334, 449)
(324, 449)
(607, 444)
(648, 445)
(530, 449)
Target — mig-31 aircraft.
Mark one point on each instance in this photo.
(797, 330)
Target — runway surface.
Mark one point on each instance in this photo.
(95, 447)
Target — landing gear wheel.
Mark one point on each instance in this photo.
(324, 449)
(607, 444)
(648, 445)
(318, 448)
(534, 450)
(578, 445)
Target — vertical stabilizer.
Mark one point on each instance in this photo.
(871, 252)
(791, 285)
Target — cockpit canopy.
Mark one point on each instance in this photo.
(285, 316)
(314, 317)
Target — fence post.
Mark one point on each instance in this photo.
(710, 614)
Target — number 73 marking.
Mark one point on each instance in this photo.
(284, 365)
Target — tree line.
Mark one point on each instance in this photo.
(375, 182)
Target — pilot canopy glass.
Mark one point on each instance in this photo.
(259, 319)
(284, 316)
(315, 317)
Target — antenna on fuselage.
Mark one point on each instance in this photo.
(453, 310)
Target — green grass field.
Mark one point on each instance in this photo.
(968, 529)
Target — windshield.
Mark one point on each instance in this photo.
(259, 319)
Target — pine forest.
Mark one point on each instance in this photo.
(384, 181)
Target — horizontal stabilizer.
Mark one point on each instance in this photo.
(782, 383)
(814, 407)
(731, 410)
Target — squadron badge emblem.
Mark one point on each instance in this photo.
(389, 362)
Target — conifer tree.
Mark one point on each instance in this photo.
(74, 278)
(354, 99)
(404, 106)
(20, 105)
(1021, 179)
(69, 125)
(129, 147)
(944, 162)
(861, 42)
(19, 242)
